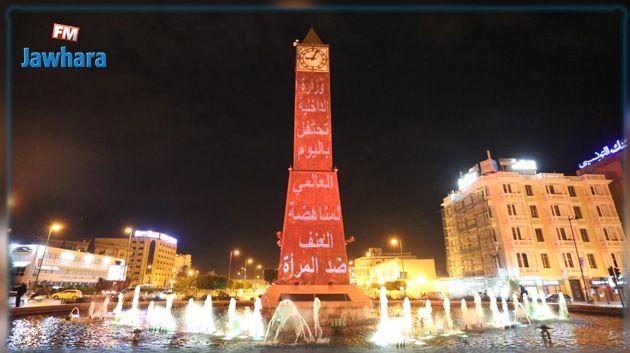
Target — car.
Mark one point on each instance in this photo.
(68, 294)
(163, 295)
(553, 298)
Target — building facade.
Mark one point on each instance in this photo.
(513, 223)
(61, 267)
(151, 257)
(377, 268)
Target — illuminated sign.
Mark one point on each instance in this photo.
(116, 273)
(155, 235)
(605, 152)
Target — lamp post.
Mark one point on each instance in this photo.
(234, 252)
(53, 228)
(396, 241)
(249, 262)
(578, 258)
(128, 230)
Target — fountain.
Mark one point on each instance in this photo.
(505, 317)
(209, 325)
(563, 312)
(447, 313)
(91, 310)
(194, 317)
(494, 309)
(256, 324)
(287, 318)
(119, 305)
(317, 329)
(407, 320)
(479, 311)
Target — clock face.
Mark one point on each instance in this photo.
(312, 59)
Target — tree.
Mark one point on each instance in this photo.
(209, 281)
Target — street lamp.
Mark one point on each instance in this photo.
(234, 252)
(128, 230)
(578, 258)
(53, 228)
(394, 242)
(249, 262)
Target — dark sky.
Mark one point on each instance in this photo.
(189, 129)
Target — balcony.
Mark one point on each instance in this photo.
(602, 219)
(591, 197)
(556, 197)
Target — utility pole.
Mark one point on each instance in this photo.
(578, 258)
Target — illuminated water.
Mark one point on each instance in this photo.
(587, 331)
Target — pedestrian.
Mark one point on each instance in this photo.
(21, 290)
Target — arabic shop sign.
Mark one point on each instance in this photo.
(604, 153)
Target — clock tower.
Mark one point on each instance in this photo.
(313, 259)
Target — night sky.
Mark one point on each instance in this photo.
(189, 130)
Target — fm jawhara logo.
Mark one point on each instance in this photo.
(64, 58)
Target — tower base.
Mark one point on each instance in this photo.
(337, 300)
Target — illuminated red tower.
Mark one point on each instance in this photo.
(312, 241)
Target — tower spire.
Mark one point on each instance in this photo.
(312, 37)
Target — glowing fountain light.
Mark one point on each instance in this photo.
(447, 313)
(287, 319)
(194, 317)
(209, 325)
(496, 316)
(563, 311)
(389, 331)
(407, 321)
(317, 329)
(256, 324)
(479, 310)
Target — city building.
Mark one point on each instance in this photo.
(73, 244)
(151, 259)
(182, 260)
(538, 230)
(610, 162)
(62, 267)
(376, 269)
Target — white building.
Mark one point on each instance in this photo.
(62, 267)
(512, 222)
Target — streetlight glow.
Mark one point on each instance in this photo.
(394, 241)
(128, 230)
(55, 227)
(249, 261)
(236, 252)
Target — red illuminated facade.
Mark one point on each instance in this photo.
(312, 242)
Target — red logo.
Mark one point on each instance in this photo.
(65, 32)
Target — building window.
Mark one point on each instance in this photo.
(551, 189)
(572, 191)
(534, 211)
(507, 188)
(584, 235)
(528, 190)
(555, 210)
(578, 212)
(522, 260)
(568, 259)
(591, 260)
(539, 235)
(545, 260)
(562, 234)
(610, 234)
(597, 190)
(516, 233)
(511, 210)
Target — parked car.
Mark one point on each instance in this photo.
(165, 294)
(553, 298)
(68, 294)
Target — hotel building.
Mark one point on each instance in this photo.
(511, 222)
(61, 267)
(151, 259)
